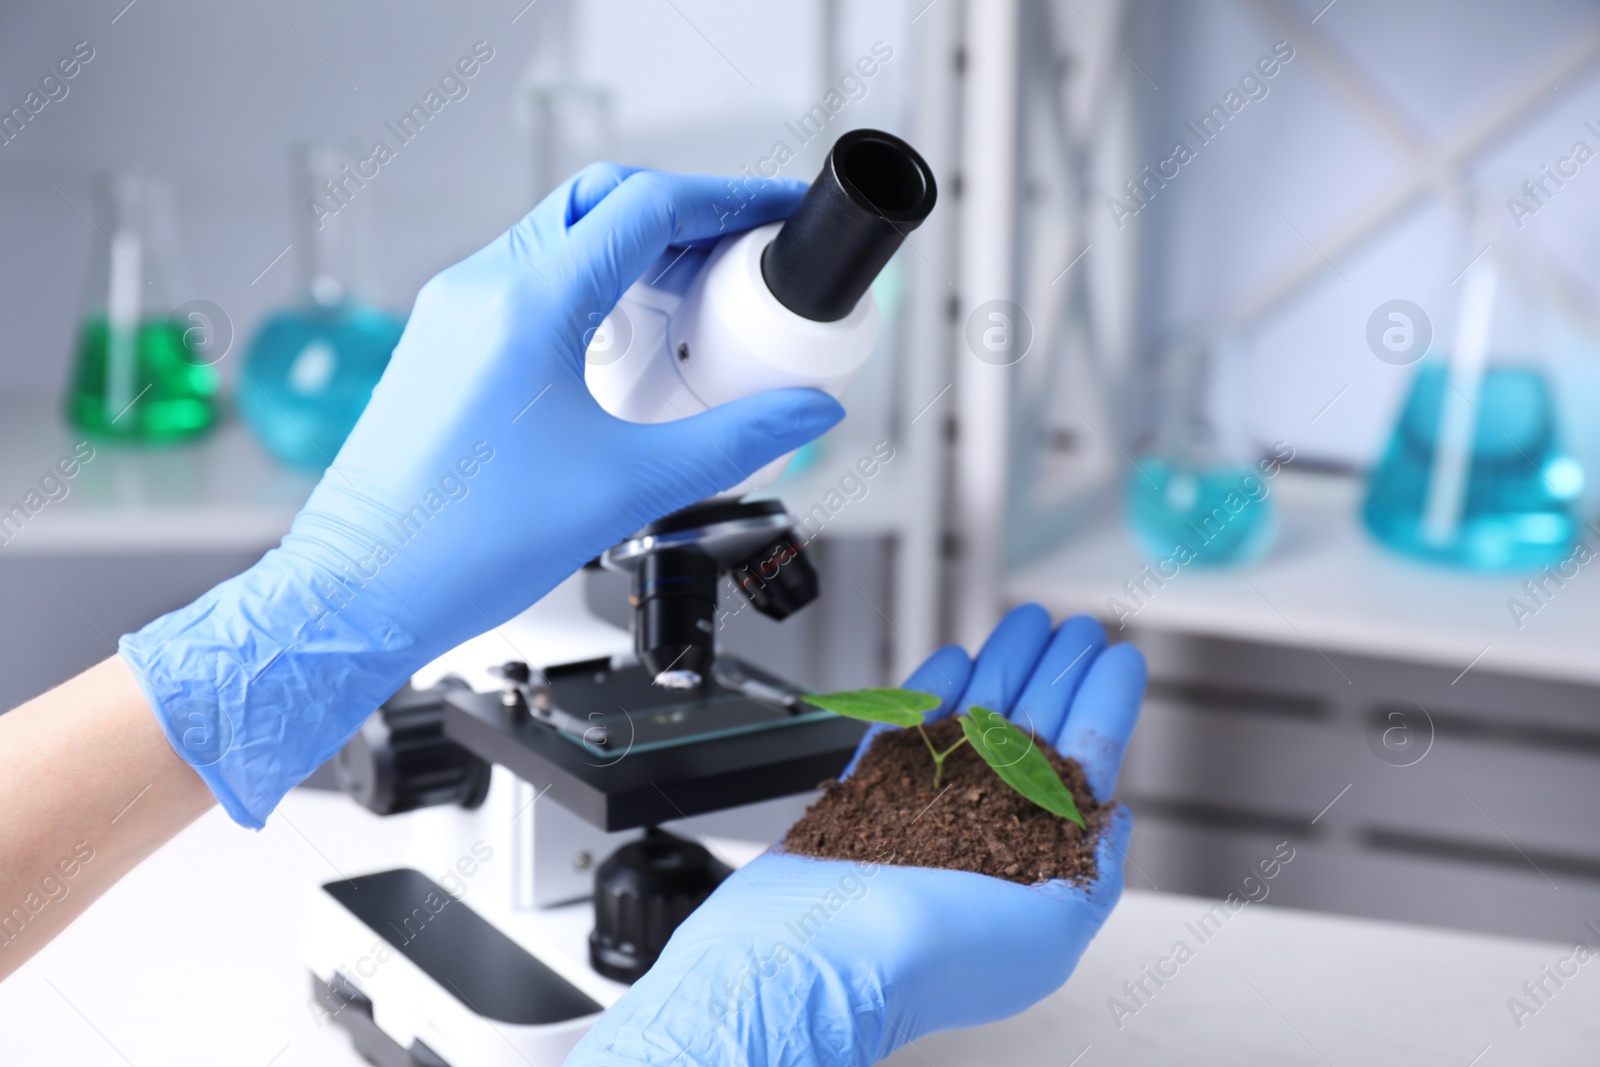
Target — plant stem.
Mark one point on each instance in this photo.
(938, 760)
(938, 757)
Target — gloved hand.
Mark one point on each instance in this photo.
(753, 978)
(481, 474)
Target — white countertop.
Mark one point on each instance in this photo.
(195, 959)
(1326, 585)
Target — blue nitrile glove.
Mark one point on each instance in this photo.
(803, 961)
(481, 474)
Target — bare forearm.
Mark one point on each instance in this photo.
(90, 787)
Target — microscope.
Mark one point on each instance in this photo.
(577, 789)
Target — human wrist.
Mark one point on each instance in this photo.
(259, 658)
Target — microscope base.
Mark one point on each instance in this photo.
(419, 979)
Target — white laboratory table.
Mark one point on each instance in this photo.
(195, 959)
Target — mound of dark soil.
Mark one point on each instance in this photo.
(889, 812)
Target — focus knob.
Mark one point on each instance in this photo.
(778, 580)
(400, 760)
(642, 892)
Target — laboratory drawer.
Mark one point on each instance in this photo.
(1421, 794)
(1497, 787)
(1306, 678)
(1348, 875)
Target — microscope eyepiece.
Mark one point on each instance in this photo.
(874, 189)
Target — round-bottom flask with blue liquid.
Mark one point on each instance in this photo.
(311, 367)
(1194, 500)
(1207, 515)
(308, 375)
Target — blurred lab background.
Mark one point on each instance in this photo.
(1264, 330)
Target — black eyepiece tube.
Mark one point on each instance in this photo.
(873, 190)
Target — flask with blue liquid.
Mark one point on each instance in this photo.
(311, 367)
(1475, 474)
(1193, 500)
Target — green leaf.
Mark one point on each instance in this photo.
(1019, 762)
(901, 707)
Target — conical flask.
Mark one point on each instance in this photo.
(1475, 474)
(1195, 498)
(312, 366)
(137, 375)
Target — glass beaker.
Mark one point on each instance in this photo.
(1475, 474)
(311, 368)
(569, 126)
(136, 375)
(1192, 499)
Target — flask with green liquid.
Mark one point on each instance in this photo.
(141, 372)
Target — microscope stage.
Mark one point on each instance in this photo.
(669, 754)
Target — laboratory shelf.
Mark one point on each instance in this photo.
(215, 494)
(838, 500)
(1327, 586)
(223, 492)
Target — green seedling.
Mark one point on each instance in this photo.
(1008, 751)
